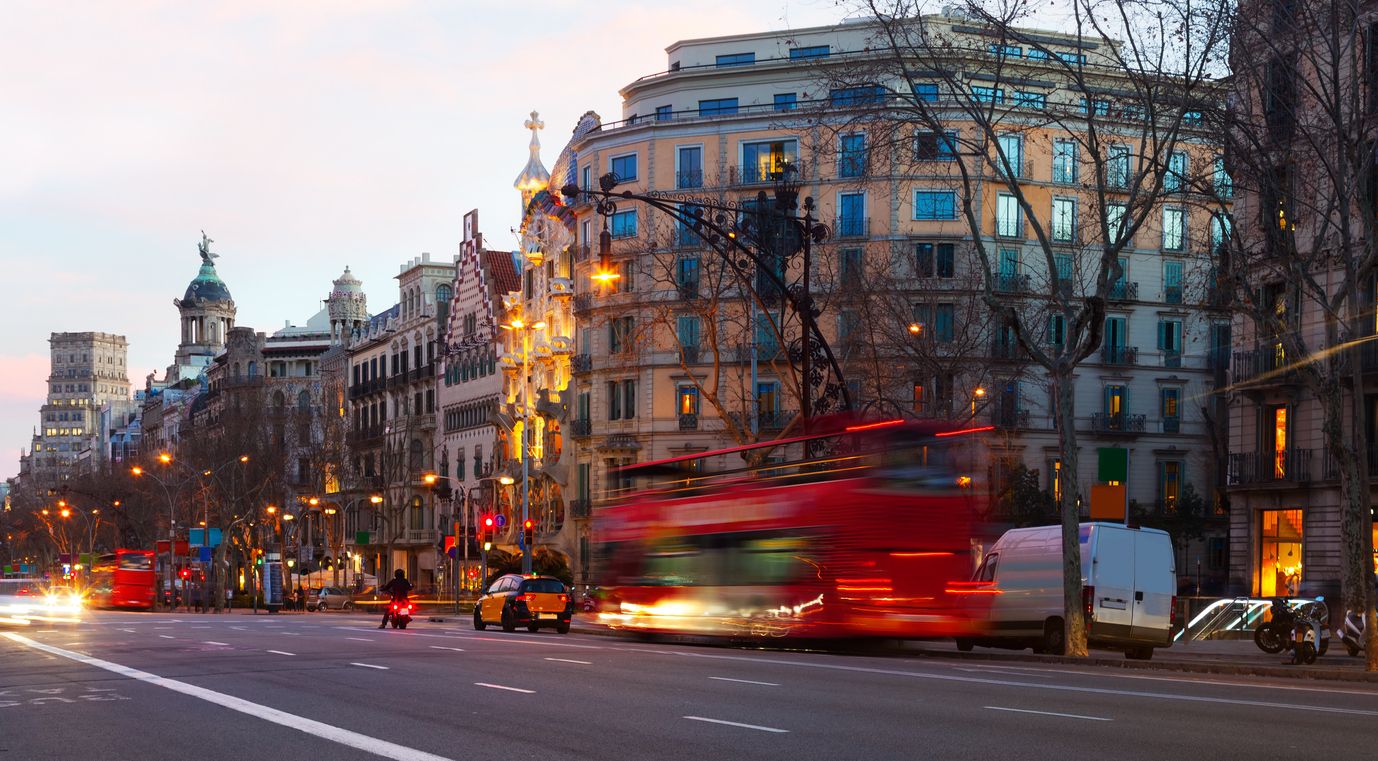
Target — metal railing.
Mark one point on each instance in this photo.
(852, 227)
(1119, 355)
(1262, 361)
(1006, 350)
(1172, 425)
(1172, 359)
(1172, 294)
(688, 421)
(689, 355)
(582, 427)
(1288, 465)
(1122, 291)
(758, 175)
(581, 363)
(1009, 418)
(1011, 283)
(689, 179)
(1117, 422)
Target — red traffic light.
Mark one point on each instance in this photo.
(488, 522)
(186, 573)
(528, 525)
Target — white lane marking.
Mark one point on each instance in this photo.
(1048, 713)
(510, 638)
(239, 628)
(743, 681)
(291, 721)
(442, 647)
(570, 660)
(509, 689)
(200, 627)
(369, 666)
(209, 642)
(131, 631)
(292, 634)
(1199, 681)
(162, 627)
(736, 724)
(167, 636)
(46, 631)
(280, 652)
(1035, 685)
(359, 639)
(1001, 671)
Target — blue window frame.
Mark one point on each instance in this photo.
(1013, 51)
(926, 91)
(935, 204)
(813, 51)
(944, 323)
(1102, 107)
(1076, 58)
(736, 59)
(687, 330)
(988, 94)
(664, 112)
(851, 214)
(1037, 55)
(624, 224)
(786, 101)
(624, 167)
(935, 146)
(865, 95)
(765, 334)
(852, 161)
(1026, 99)
(718, 107)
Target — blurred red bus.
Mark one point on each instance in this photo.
(124, 579)
(862, 540)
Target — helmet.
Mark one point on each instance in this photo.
(400, 574)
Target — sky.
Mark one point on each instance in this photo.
(302, 136)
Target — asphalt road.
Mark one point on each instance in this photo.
(185, 686)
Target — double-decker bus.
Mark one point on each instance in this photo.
(868, 534)
(124, 579)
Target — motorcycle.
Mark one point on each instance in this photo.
(1272, 636)
(1301, 629)
(399, 612)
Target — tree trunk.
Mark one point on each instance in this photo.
(1074, 621)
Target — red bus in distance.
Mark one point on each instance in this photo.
(861, 538)
(124, 579)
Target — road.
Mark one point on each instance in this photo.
(186, 686)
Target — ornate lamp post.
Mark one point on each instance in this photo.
(518, 326)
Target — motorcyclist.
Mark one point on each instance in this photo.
(397, 589)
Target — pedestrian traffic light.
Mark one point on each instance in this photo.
(528, 534)
(186, 573)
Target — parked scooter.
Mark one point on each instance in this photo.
(1352, 633)
(1272, 636)
(1290, 626)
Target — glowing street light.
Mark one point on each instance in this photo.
(429, 479)
(376, 499)
(313, 501)
(272, 509)
(916, 328)
(506, 480)
(136, 470)
(164, 458)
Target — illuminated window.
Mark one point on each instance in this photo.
(688, 400)
(1280, 549)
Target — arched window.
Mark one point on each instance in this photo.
(304, 401)
(236, 371)
(279, 400)
(443, 293)
(253, 369)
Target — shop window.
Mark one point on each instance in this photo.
(1279, 568)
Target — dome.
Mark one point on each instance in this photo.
(534, 177)
(347, 286)
(207, 285)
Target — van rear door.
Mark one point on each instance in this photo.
(1154, 580)
(1112, 576)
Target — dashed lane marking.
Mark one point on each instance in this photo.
(504, 687)
(570, 660)
(744, 681)
(737, 724)
(317, 729)
(280, 652)
(211, 642)
(167, 636)
(1048, 713)
(456, 649)
(369, 666)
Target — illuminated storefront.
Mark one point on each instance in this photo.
(1279, 567)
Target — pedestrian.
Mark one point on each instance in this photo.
(301, 596)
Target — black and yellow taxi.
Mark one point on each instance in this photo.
(532, 601)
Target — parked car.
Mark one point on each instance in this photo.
(329, 598)
(1128, 585)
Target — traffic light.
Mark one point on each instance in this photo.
(485, 532)
(186, 573)
(528, 534)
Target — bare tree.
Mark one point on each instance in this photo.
(1124, 105)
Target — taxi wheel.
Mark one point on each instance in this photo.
(508, 625)
(533, 627)
(563, 628)
(478, 620)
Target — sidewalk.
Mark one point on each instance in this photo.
(1207, 656)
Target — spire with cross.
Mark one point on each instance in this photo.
(534, 177)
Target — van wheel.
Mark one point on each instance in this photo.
(1139, 653)
(1054, 641)
(965, 645)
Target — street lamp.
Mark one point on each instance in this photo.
(978, 394)
(525, 329)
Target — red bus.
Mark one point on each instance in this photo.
(125, 579)
(871, 534)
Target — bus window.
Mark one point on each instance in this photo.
(136, 562)
(674, 566)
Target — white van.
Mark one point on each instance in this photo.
(1128, 586)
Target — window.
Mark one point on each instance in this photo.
(1114, 220)
(687, 276)
(1072, 58)
(768, 401)
(624, 224)
(687, 332)
(851, 215)
(586, 183)
(864, 95)
(926, 92)
(1172, 281)
(1175, 180)
(1221, 180)
(935, 146)
(736, 59)
(1009, 262)
(814, 51)
(944, 323)
(852, 155)
(1114, 400)
(1027, 99)
(1101, 106)
(1169, 484)
(620, 334)
(1220, 231)
(1170, 408)
(988, 94)
(1117, 166)
(763, 161)
(1057, 330)
(687, 400)
(765, 334)
(848, 325)
(718, 107)
(624, 167)
(1009, 222)
(1011, 51)
(786, 101)
(934, 259)
(1011, 155)
(614, 400)
(1037, 54)
(1174, 228)
(935, 204)
(689, 167)
(1064, 220)
(849, 272)
(1064, 161)
(1170, 342)
(628, 399)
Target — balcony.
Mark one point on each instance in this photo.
(689, 179)
(756, 174)
(1009, 418)
(1266, 362)
(1119, 422)
(689, 355)
(1011, 283)
(580, 508)
(1172, 358)
(774, 420)
(1172, 294)
(852, 227)
(1119, 355)
(1286, 466)
(367, 436)
(583, 302)
(418, 536)
(1122, 291)
(688, 421)
(688, 289)
(1006, 350)
(582, 253)
(581, 427)
(581, 363)
(1172, 425)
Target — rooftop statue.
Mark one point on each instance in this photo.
(204, 247)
